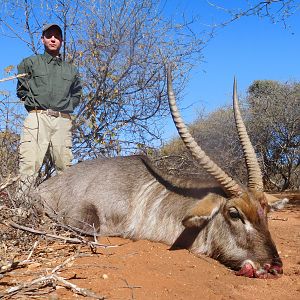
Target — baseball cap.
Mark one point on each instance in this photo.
(47, 26)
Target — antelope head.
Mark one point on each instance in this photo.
(240, 236)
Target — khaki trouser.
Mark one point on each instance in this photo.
(41, 131)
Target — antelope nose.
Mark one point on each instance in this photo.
(276, 267)
(276, 261)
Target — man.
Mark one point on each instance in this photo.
(50, 92)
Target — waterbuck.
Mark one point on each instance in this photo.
(129, 197)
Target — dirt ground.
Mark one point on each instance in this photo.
(146, 270)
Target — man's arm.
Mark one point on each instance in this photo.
(76, 90)
(23, 84)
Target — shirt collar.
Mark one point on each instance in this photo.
(49, 58)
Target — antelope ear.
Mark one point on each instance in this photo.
(203, 211)
(275, 203)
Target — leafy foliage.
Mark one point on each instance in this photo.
(216, 135)
(271, 114)
(9, 138)
(120, 48)
(275, 126)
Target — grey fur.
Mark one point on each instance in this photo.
(129, 197)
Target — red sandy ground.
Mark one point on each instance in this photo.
(146, 270)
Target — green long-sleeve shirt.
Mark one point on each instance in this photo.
(51, 83)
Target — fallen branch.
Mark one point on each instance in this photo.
(9, 266)
(277, 219)
(75, 230)
(9, 182)
(31, 252)
(67, 261)
(131, 287)
(75, 289)
(65, 239)
(49, 280)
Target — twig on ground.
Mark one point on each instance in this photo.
(67, 261)
(9, 181)
(32, 250)
(65, 239)
(75, 289)
(131, 287)
(278, 219)
(49, 280)
(9, 266)
(73, 229)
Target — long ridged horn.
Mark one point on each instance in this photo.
(255, 180)
(230, 186)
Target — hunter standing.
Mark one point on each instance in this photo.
(50, 93)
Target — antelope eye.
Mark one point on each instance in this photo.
(234, 213)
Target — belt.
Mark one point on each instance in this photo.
(53, 113)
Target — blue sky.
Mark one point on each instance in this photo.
(249, 48)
